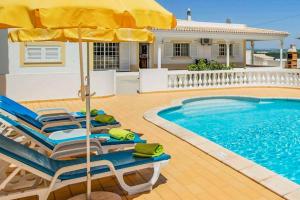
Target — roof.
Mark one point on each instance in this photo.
(195, 26)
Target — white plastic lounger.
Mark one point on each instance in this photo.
(100, 143)
(45, 114)
(18, 112)
(58, 174)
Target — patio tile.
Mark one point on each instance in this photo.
(185, 158)
(208, 147)
(239, 163)
(258, 173)
(295, 195)
(280, 185)
(223, 154)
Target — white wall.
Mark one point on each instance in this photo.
(134, 53)
(238, 52)
(125, 56)
(3, 52)
(260, 61)
(153, 80)
(27, 87)
(71, 61)
(197, 50)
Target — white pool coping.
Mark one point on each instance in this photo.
(269, 179)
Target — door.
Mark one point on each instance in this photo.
(143, 55)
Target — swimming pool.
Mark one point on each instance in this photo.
(266, 131)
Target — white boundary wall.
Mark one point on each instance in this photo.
(156, 80)
(28, 87)
(153, 80)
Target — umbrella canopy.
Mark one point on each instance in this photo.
(87, 13)
(87, 35)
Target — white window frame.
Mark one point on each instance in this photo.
(223, 50)
(108, 58)
(178, 49)
(46, 54)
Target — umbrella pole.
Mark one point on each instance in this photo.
(88, 133)
(85, 94)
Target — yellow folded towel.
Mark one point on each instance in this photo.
(148, 150)
(105, 119)
(121, 134)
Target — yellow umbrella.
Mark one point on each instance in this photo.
(87, 35)
(87, 13)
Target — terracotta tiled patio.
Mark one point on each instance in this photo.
(191, 174)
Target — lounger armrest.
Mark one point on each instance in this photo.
(64, 110)
(60, 123)
(74, 142)
(55, 116)
(83, 166)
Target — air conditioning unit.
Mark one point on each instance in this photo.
(206, 41)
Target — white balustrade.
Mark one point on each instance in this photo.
(181, 80)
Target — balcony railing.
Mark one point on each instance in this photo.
(164, 80)
(223, 79)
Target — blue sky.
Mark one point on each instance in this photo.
(272, 14)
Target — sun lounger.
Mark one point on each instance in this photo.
(64, 121)
(72, 145)
(63, 173)
(46, 114)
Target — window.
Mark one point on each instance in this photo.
(106, 56)
(223, 50)
(181, 49)
(42, 53)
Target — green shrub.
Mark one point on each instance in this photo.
(204, 65)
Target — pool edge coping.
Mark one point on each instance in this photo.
(261, 175)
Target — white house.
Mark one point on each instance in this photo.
(55, 64)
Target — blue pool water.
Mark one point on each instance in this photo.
(266, 131)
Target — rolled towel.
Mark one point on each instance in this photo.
(148, 150)
(105, 119)
(121, 134)
(94, 112)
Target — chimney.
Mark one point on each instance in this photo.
(189, 14)
(228, 21)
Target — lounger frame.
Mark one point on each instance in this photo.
(56, 184)
(66, 149)
(52, 124)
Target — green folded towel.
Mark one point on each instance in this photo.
(148, 150)
(94, 112)
(121, 134)
(105, 119)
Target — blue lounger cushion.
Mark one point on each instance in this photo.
(30, 157)
(39, 125)
(11, 106)
(50, 144)
(29, 116)
(81, 115)
(111, 141)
